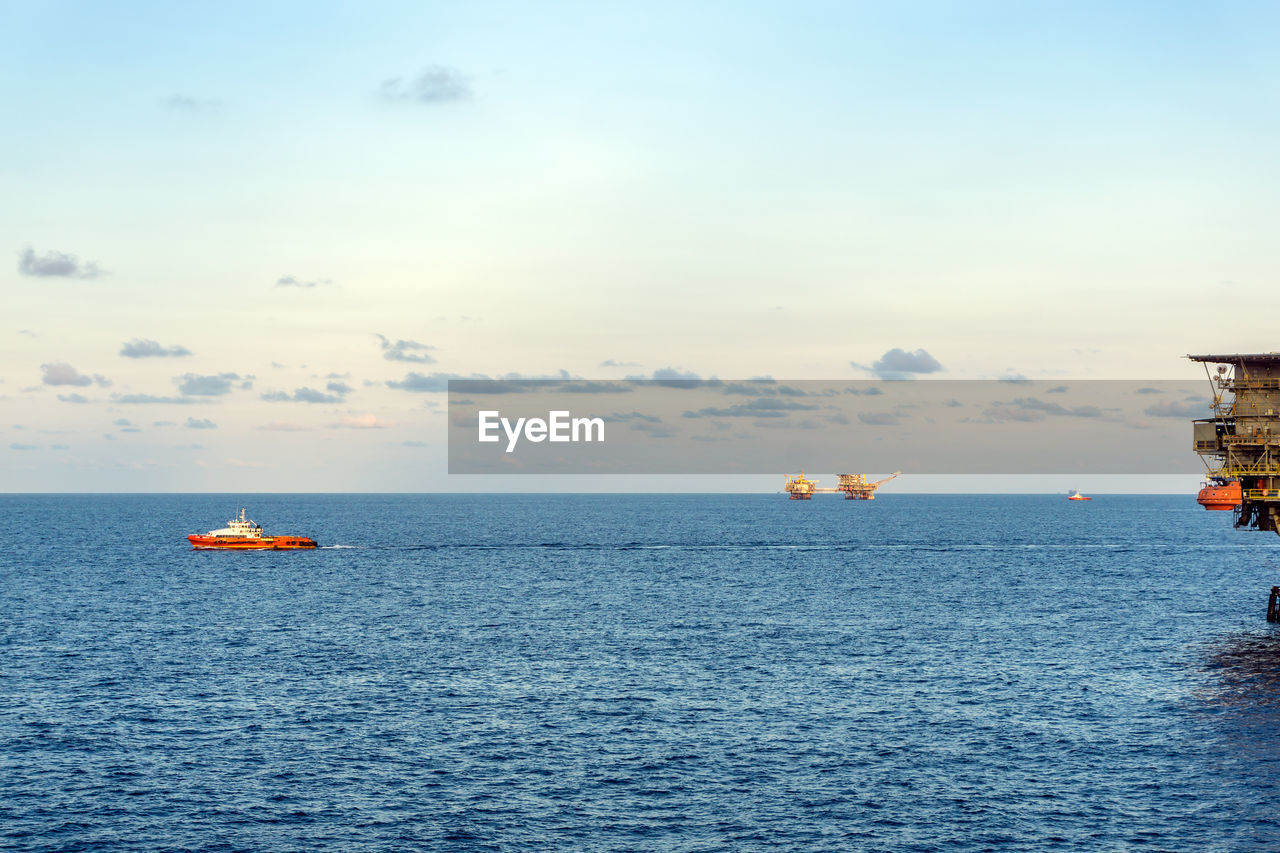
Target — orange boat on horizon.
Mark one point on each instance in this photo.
(1076, 496)
(243, 534)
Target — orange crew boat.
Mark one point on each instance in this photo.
(1076, 496)
(1220, 493)
(242, 534)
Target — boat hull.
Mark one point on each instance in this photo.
(236, 543)
(1221, 497)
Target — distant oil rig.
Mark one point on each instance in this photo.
(854, 486)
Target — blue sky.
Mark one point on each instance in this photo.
(728, 189)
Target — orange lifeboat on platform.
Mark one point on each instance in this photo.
(1219, 493)
(242, 534)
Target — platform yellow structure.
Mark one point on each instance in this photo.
(854, 486)
(1240, 441)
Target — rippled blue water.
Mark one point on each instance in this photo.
(638, 672)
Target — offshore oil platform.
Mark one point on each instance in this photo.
(854, 486)
(1240, 442)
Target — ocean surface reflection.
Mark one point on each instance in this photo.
(1244, 672)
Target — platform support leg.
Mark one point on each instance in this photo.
(1273, 605)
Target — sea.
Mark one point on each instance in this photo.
(638, 672)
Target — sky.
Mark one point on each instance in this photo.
(245, 242)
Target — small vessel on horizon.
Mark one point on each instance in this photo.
(1076, 496)
(244, 534)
